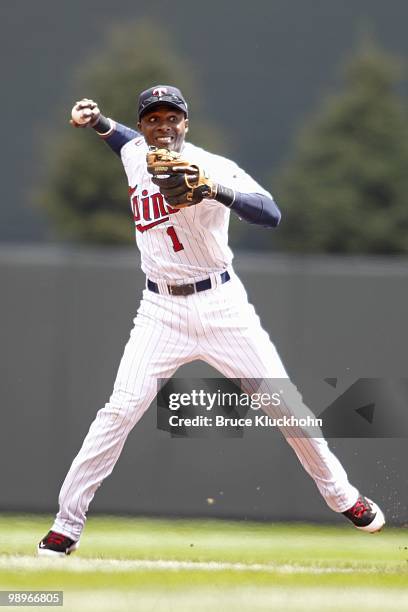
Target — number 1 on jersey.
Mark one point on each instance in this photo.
(177, 246)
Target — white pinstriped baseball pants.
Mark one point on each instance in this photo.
(220, 327)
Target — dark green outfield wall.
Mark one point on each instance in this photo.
(65, 316)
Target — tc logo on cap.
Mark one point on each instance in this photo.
(159, 91)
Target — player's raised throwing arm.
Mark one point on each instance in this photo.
(86, 113)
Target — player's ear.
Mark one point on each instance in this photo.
(139, 126)
(186, 125)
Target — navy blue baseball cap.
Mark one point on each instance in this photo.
(161, 94)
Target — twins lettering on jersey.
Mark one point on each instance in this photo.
(149, 209)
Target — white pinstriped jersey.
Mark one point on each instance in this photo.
(188, 243)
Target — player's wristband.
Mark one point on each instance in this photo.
(117, 136)
(225, 195)
(103, 126)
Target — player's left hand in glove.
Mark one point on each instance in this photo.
(181, 183)
(85, 113)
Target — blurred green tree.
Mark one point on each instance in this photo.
(345, 188)
(84, 188)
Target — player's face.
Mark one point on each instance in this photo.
(164, 127)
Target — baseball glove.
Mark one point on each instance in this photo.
(180, 182)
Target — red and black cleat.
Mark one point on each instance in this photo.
(56, 545)
(366, 515)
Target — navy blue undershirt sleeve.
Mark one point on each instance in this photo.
(252, 207)
(256, 208)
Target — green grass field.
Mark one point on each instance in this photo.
(185, 566)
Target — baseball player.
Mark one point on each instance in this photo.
(193, 307)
